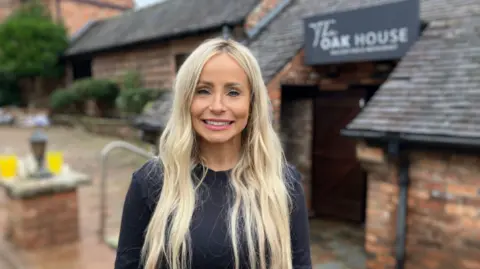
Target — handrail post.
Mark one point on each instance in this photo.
(103, 180)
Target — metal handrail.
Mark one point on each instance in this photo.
(103, 183)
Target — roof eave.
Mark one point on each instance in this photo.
(163, 38)
(417, 141)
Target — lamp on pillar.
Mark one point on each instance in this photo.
(38, 144)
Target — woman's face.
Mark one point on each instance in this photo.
(221, 101)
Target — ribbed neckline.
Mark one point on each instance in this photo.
(212, 173)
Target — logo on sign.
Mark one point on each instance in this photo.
(330, 40)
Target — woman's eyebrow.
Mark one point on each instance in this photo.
(233, 84)
(208, 83)
(228, 84)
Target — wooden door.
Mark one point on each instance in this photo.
(338, 182)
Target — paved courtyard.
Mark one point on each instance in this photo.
(334, 245)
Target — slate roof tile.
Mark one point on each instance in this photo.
(161, 20)
(435, 89)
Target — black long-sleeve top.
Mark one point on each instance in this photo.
(211, 246)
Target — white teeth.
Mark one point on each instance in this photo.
(217, 123)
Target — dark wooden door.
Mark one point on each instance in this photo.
(338, 183)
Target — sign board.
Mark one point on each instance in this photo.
(375, 33)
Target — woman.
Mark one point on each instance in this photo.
(220, 194)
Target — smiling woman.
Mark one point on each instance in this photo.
(220, 195)
(221, 103)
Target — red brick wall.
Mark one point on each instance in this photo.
(296, 73)
(156, 63)
(75, 15)
(259, 12)
(43, 221)
(6, 7)
(124, 3)
(443, 210)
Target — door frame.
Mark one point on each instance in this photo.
(369, 91)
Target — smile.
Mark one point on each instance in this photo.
(217, 125)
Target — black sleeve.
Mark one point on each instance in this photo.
(136, 215)
(300, 230)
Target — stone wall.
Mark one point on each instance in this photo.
(443, 210)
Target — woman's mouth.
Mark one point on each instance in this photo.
(217, 125)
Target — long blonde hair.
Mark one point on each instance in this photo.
(260, 214)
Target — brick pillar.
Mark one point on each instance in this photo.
(443, 219)
(43, 212)
(43, 221)
(297, 136)
(382, 198)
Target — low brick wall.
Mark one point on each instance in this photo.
(119, 128)
(443, 210)
(46, 221)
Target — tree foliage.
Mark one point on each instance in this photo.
(31, 42)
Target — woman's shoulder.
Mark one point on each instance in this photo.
(149, 178)
(151, 169)
(292, 175)
(294, 181)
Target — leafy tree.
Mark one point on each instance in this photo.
(31, 43)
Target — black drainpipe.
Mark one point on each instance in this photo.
(400, 157)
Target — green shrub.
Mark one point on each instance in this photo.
(62, 99)
(132, 79)
(132, 101)
(97, 89)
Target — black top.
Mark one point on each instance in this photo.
(211, 246)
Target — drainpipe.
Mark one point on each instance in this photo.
(401, 159)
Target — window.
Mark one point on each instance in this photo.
(179, 59)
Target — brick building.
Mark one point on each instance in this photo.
(390, 142)
(75, 13)
(155, 40)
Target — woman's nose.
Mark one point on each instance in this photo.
(217, 104)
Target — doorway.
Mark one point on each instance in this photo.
(82, 68)
(338, 180)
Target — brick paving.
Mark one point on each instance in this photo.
(334, 245)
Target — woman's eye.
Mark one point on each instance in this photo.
(202, 91)
(233, 93)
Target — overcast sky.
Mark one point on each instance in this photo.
(142, 3)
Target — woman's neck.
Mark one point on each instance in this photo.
(220, 157)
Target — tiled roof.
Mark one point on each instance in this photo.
(435, 89)
(163, 20)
